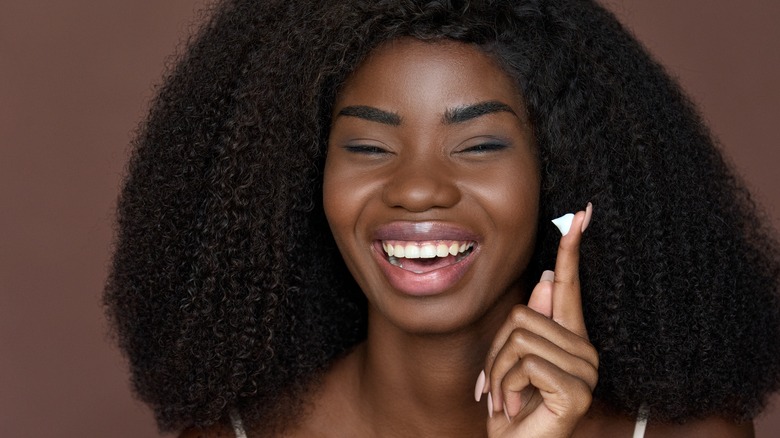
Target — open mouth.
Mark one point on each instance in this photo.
(423, 257)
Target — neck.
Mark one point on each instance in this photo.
(423, 384)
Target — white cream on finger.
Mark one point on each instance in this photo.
(564, 223)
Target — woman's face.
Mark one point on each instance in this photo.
(431, 184)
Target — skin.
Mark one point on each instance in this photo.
(412, 166)
(407, 162)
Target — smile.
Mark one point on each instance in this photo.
(422, 257)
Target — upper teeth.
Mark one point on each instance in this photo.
(425, 250)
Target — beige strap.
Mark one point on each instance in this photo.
(641, 423)
(238, 425)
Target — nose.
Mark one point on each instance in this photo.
(419, 184)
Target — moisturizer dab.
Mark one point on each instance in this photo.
(564, 223)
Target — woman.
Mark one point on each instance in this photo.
(296, 144)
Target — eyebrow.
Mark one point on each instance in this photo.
(469, 112)
(371, 114)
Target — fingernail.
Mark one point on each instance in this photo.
(506, 414)
(548, 276)
(480, 386)
(564, 223)
(490, 405)
(588, 214)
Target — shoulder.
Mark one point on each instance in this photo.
(600, 425)
(712, 427)
(215, 431)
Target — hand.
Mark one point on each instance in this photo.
(541, 369)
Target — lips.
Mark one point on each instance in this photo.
(424, 258)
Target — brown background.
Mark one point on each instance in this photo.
(75, 78)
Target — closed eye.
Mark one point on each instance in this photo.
(484, 148)
(365, 149)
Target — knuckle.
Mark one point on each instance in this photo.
(519, 338)
(584, 398)
(577, 397)
(592, 355)
(581, 404)
(530, 363)
(592, 378)
(582, 388)
(578, 392)
(519, 314)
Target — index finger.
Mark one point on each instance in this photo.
(566, 299)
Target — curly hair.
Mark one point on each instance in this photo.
(227, 290)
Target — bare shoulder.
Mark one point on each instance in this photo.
(334, 409)
(707, 428)
(216, 431)
(599, 424)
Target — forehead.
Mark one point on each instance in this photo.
(407, 69)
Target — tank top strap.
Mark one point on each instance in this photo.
(238, 425)
(641, 423)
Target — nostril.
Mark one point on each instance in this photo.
(420, 192)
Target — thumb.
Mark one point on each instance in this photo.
(541, 297)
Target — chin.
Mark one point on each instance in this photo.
(447, 314)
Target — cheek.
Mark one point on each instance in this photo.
(515, 210)
(511, 195)
(332, 198)
(344, 197)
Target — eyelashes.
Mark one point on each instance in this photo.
(479, 148)
(483, 148)
(365, 149)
